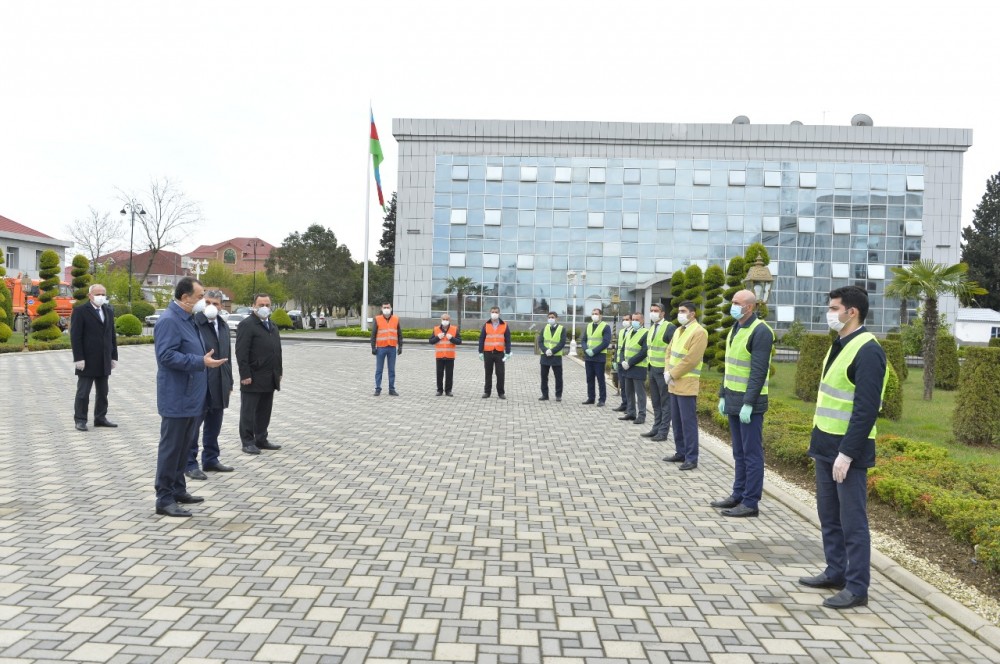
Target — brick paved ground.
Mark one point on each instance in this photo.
(407, 529)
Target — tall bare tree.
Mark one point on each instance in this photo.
(97, 234)
(168, 213)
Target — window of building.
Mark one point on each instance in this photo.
(803, 269)
(734, 222)
(807, 180)
(842, 226)
(12, 254)
(229, 256)
(772, 178)
(456, 260)
(668, 176)
(738, 178)
(525, 262)
(786, 314)
(38, 259)
(771, 224)
(529, 173)
(632, 175)
(914, 228)
(494, 173)
(842, 181)
(840, 270)
(597, 174)
(491, 260)
(564, 174)
(629, 264)
(630, 220)
(995, 333)
(664, 266)
(492, 218)
(699, 222)
(807, 224)
(595, 220)
(914, 182)
(876, 271)
(702, 177)
(458, 216)
(459, 172)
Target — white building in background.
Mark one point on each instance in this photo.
(518, 205)
(977, 326)
(23, 246)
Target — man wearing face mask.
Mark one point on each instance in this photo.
(551, 345)
(494, 350)
(616, 365)
(387, 343)
(258, 354)
(660, 334)
(181, 390)
(684, 364)
(743, 399)
(634, 363)
(444, 338)
(95, 355)
(843, 447)
(596, 339)
(211, 322)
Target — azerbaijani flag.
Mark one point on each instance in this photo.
(377, 158)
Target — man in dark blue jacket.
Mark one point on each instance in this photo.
(215, 335)
(181, 389)
(596, 339)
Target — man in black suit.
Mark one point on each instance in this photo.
(258, 353)
(211, 323)
(95, 354)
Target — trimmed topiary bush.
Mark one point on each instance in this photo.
(6, 313)
(946, 368)
(46, 324)
(81, 279)
(892, 402)
(142, 309)
(793, 338)
(281, 318)
(128, 325)
(810, 366)
(894, 353)
(977, 409)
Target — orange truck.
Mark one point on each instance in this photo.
(64, 300)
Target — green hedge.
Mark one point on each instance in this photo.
(894, 353)
(128, 326)
(946, 368)
(995, 343)
(425, 334)
(810, 365)
(281, 318)
(977, 409)
(892, 403)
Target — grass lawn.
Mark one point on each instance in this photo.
(925, 421)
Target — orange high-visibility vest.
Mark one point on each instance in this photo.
(445, 349)
(387, 331)
(495, 338)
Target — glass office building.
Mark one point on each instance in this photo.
(627, 205)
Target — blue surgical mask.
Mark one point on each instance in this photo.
(736, 311)
(636, 325)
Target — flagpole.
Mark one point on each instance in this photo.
(368, 193)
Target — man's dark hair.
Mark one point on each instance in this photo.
(497, 309)
(599, 311)
(185, 287)
(689, 305)
(852, 297)
(657, 305)
(257, 296)
(387, 304)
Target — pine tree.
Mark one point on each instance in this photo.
(386, 256)
(676, 293)
(981, 246)
(81, 278)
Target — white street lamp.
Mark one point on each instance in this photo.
(572, 277)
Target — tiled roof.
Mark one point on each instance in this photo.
(11, 226)
(166, 262)
(239, 243)
(970, 315)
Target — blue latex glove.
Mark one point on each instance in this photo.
(722, 406)
(745, 412)
(505, 357)
(480, 357)
(589, 352)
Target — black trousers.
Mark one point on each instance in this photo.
(557, 371)
(82, 404)
(493, 360)
(255, 416)
(445, 373)
(177, 435)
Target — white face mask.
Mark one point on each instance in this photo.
(211, 311)
(552, 321)
(595, 318)
(198, 307)
(100, 300)
(495, 316)
(833, 320)
(386, 312)
(445, 323)
(654, 317)
(682, 319)
(263, 312)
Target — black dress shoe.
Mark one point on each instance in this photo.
(105, 423)
(188, 499)
(82, 426)
(674, 458)
(588, 402)
(217, 468)
(821, 581)
(251, 449)
(687, 465)
(195, 474)
(600, 404)
(640, 420)
(658, 438)
(501, 396)
(619, 409)
(439, 393)
(845, 599)
(543, 398)
(173, 509)
(376, 393)
(731, 501)
(486, 395)
(741, 511)
(448, 394)
(627, 417)
(268, 446)
(393, 393)
(558, 398)
(648, 434)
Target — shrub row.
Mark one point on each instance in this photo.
(64, 344)
(425, 334)
(977, 411)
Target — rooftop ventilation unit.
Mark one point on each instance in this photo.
(741, 119)
(862, 120)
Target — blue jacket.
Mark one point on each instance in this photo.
(181, 377)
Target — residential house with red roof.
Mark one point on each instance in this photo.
(167, 267)
(242, 255)
(22, 246)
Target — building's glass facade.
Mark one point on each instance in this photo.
(517, 225)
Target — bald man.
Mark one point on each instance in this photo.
(743, 398)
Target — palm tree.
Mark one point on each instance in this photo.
(462, 286)
(927, 281)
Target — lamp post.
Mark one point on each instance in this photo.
(615, 304)
(199, 267)
(25, 292)
(253, 244)
(759, 280)
(135, 207)
(575, 277)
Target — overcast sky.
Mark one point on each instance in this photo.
(260, 109)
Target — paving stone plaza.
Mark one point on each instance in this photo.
(409, 529)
